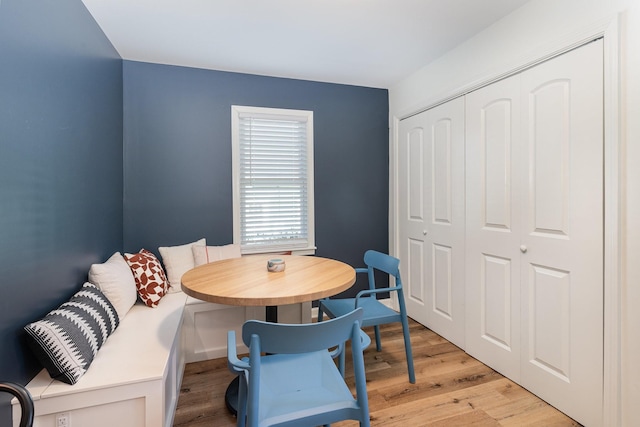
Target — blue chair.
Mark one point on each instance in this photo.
(26, 402)
(375, 313)
(290, 377)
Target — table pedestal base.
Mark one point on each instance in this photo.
(231, 396)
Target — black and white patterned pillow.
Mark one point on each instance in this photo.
(67, 339)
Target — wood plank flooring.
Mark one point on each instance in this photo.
(452, 389)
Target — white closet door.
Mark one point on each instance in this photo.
(411, 213)
(561, 234)
(534, 288)
(431, 212)
(493, 226)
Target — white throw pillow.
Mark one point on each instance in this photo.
(206, 254)
(178, 260)
(115, 279)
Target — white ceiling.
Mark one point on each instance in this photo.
(372, 43)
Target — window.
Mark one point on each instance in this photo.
(273, 180)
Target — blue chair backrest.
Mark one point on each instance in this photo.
(383, 262)
(302, 338)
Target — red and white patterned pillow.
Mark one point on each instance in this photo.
(151, 281)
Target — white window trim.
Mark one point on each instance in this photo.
(236, 112)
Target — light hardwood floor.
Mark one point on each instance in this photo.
(452, 389)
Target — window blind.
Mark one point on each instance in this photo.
(273, 182)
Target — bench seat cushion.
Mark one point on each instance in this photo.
(178, 260)
(151, 281)
(115, 279)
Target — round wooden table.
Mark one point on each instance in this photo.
(246, 281)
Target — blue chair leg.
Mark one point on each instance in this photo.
(320, 313)
(407, 349)
(377, 331)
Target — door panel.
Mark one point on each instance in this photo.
(562, 271)
(411, 214)
(549, 123)
(549, 317)
(442, 173)
(431, 158)
(415, 270)
(496, 147)
(415, 173)
(442, 284)
(492, 226)
(495, 303)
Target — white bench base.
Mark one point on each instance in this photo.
(206, 325)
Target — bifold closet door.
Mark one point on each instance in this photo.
(493, 223)
(431, 217)
(562, 234)
(534, 188)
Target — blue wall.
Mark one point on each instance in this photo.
(68, 200)
(178, 156)
(60, 164)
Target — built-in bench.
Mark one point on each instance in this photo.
(134, 380)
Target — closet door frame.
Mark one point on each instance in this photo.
(610, 31)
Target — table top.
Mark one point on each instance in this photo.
(246, 280)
